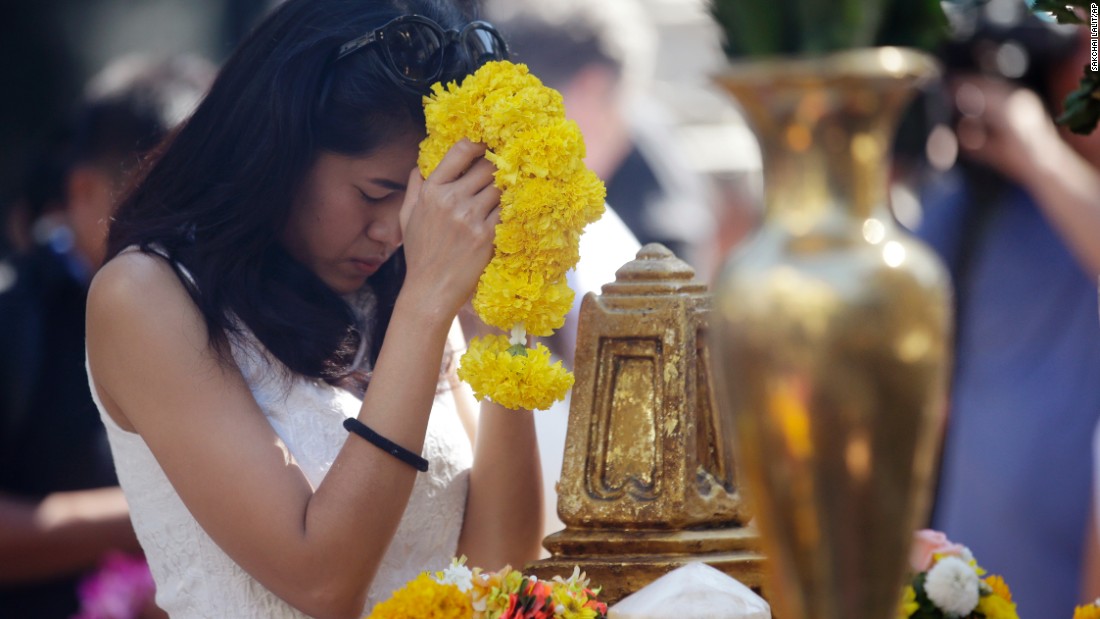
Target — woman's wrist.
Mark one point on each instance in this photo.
(421, 313)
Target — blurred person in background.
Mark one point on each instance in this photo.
(1017, 220)
(598, 57)
(61, 512)
(41, 193)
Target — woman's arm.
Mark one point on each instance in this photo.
(504, 511)
(317, 548)
(503, 523)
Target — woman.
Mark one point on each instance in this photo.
(281, 253)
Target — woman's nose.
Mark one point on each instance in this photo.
(387, 227)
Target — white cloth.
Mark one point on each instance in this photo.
(694, 591)
(196, 579)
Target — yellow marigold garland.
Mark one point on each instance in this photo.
(548, 197)
(523, 380)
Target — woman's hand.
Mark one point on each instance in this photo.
(448, 223)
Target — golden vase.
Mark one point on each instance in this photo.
(831, 335)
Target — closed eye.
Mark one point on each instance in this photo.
(372, 200)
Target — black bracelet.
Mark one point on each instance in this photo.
(351, 424)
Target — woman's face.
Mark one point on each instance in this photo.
(345, 222)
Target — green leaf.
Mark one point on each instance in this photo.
(1061, 10)
(840, 24)
(914, 23)
(753, 28)
(517, 350)
(1082, 106)
(812, 27)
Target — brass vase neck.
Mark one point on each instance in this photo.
(826, 127)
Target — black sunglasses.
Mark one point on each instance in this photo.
(415, 48)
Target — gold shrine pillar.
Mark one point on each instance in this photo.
(648, 481)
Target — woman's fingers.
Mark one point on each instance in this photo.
(472, 192)
(487, 203)
(412, 195)
(478, 175)
(457, 161)
(494, 217)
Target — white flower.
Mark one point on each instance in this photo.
(952, 585)
(518, 336)
(458, 575)
(578, 578)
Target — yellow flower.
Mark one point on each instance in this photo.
(908, 604)
(514, 381)
(586, 193)
(552, 150)
(993, 606)
(548, 196)
(1088, 611)
(424, 598)
(999, 587)
(997, 604)
(491, 591)
(507, 297)
(570, 599)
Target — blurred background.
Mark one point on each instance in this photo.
(680, 136)
(50, 48)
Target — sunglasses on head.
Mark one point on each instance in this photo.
(416, 49)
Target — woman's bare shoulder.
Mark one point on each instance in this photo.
(133, 300)
(133, 276)
(136, 289)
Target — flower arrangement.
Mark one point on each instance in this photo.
(947, 583)
(461, 593)
(548, 197)
(1088, 611)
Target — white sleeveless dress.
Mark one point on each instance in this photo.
(196, 579)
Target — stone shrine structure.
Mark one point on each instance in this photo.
(648, 482)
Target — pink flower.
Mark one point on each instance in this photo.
(119, 589)
(928, 543)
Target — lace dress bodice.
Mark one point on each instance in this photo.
(196, 579)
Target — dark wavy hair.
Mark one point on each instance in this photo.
(217, 195)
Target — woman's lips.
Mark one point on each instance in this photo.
(367, 266)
